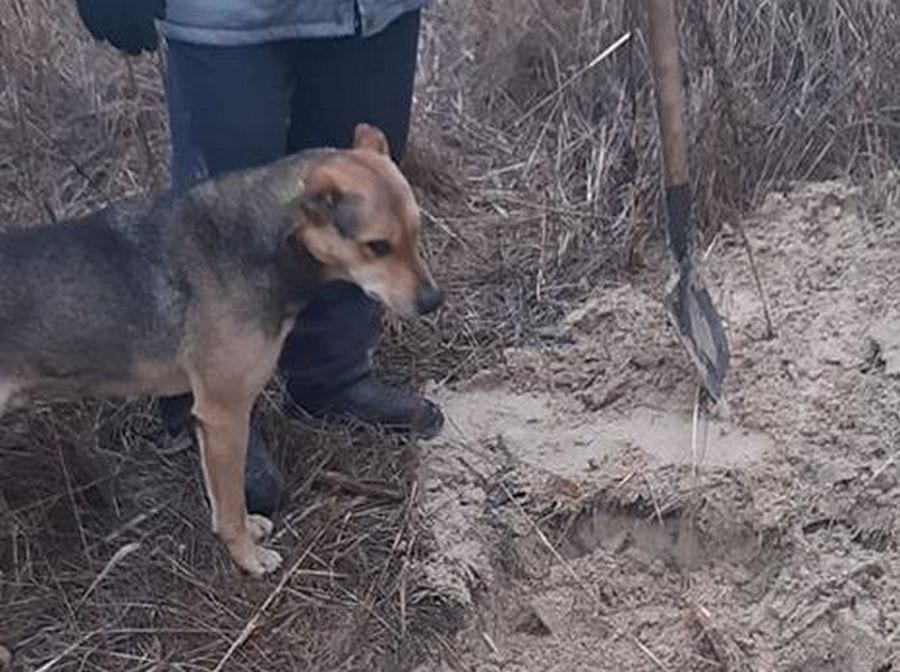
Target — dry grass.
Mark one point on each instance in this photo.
(540, 181)
(83, 482)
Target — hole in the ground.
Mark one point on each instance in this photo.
(676, 539)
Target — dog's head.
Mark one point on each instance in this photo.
(358, 217)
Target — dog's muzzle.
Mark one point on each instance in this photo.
(428, 299)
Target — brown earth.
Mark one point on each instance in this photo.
(768, 542)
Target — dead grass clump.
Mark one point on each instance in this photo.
(567, 154)
(76, 120)
(107, 561)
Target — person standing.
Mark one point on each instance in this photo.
(247, 82)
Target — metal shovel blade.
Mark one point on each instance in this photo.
(698, 327)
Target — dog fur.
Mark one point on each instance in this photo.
(197, 294)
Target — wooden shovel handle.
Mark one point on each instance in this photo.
(669, 90)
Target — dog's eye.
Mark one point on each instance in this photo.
(380, 248)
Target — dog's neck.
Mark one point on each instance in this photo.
(252, 214)
(301, 273)
(254, 198)
(263, 197)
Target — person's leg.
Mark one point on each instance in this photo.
(340, 83)
(229, 108)
(345, 81)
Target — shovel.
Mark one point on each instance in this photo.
(690, 307)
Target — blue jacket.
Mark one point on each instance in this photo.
(242, 22)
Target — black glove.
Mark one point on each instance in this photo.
(126, 24)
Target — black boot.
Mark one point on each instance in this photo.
(371, 400)
(328, 370)
(263, 482)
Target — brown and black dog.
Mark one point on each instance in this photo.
(197, 293)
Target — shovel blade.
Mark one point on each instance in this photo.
(698, 327)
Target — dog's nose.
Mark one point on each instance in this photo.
(428, 299)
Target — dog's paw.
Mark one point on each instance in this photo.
(269, 559)
(262, 561)
(255, 560)
(259, 527)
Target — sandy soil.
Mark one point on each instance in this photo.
(586, 525)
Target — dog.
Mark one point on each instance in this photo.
(197, 293)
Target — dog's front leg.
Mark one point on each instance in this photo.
(223, 421)
(6, 392)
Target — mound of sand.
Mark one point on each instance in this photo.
(587, 523)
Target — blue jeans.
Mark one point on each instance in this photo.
(239, 107)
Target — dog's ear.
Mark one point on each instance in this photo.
(369, 137)
(325, 204)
